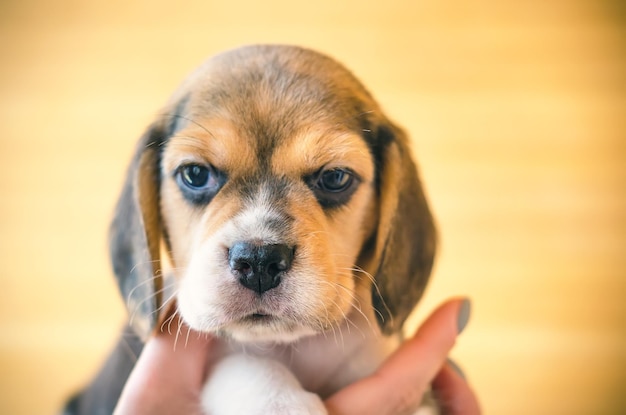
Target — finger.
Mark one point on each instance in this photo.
(398, 386)
(453, 393)
(180, 350)
(168, 375)
(429, 347)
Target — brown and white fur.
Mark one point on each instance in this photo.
(273, 205)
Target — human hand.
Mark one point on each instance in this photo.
(169, 377)
(169, 374)
(398, 386)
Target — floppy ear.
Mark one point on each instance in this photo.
(135, 235)
(406, 237)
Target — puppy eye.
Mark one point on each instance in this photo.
(333, 187)
(195, 176)
(335, 180)
(199, 183)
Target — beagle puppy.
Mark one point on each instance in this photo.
(273, 205)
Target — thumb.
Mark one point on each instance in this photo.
(399, 384)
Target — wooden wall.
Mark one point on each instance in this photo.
(517, 113)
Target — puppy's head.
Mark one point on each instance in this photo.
(281, 196)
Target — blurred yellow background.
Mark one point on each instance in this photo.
(517, 110)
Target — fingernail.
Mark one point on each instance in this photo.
(463, 316)
(456, 368)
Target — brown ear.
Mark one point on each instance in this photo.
(406, 237)
(135, 235)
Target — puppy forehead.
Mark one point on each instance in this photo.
(215, 141)
(233, 149)
(313, 149)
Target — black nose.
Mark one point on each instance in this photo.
(259, 267)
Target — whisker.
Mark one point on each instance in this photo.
(187, 338)
(152, 262)
(180, 320)
(170, 298)
(191, 120)
(345, 317)
(357, 116)
(356, 305)
(169, 322)
(141, 284)
(360, 271)
(128, 348)
(138, 305)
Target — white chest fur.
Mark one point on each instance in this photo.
(292, 379)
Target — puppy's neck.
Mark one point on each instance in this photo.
(326, 362)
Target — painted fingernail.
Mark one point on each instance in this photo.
(456, 368)
(463, 316)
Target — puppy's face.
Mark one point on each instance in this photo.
(265, 248)
(267, 198)
(281, 192)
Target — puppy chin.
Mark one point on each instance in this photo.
(266, 332)
(254, 328)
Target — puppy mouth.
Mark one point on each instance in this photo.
(259, 318)
(261, 327)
